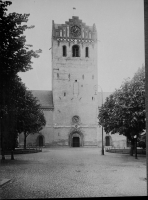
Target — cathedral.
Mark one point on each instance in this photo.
(71, 108)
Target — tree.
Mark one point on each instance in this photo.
(23, 114)
(9, 114)
(30, 116)
(15, 56)
(124, 111)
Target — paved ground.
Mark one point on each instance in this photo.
(73, 172)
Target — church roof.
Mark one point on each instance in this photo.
(45, 97)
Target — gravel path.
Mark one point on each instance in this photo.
(73, 172)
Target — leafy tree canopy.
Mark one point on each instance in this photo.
(124, 110)
(22, 114)
(15, 55)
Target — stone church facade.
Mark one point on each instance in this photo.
(71, 108)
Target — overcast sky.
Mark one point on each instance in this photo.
(120, 27)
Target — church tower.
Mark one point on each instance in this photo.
(74, 83)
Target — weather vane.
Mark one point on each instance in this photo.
(73, 10)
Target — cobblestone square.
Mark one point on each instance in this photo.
(73, 172)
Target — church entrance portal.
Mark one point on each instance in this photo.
(76, 142)
(76, 139)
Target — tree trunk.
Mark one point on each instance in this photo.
(136, 147)
(25, 136)
(2, 138)
(132, 147)
(12, 149)
(2, 148)
(3, 154)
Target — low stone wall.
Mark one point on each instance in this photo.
(126, 151)
(23, 151)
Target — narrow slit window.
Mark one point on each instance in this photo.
(64, 33)
(86, 34)
(89, 35)
(64, 94)
(75, 51)
(82, 76)
(86, 52)
(67, 31)
(60, 33)
(57, 75)
(64, 51)
(83, 34)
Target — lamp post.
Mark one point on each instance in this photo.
(102, 126)
(135, 146)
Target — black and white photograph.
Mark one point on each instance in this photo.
(73, 99)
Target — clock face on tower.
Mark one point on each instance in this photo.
(75, 119)
(75, 31)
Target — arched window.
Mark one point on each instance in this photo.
(60, 33)
(64, 32)
(89, 35)
(83, 33)
(40, 141)
(86, 52)
(86, 34)
(75, 51)
(107, 141)
(67, 31)
(64, 51)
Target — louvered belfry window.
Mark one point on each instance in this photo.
(75, 51)
(64, 51)
(86, 52)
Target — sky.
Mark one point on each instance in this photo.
(120, 29)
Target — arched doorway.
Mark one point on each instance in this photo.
(40, 138)
(76, 141)
(107, 141)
